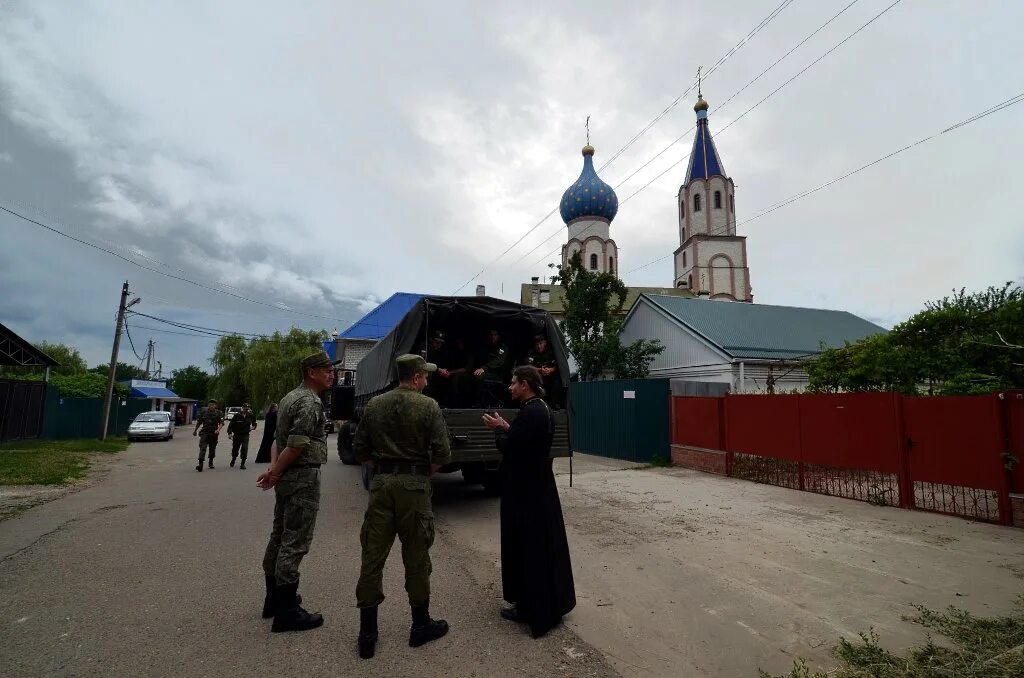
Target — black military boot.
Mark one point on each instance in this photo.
(289, 615)
(232, 464)
(367, 631)
(211, 462)
(199, 466)
(242, 467)
(270, 602)
(424, 629)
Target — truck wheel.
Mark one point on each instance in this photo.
(492, 482)
(474, 474)
(346, 435)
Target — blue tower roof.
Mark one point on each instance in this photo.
(589, 197)
(704, 160)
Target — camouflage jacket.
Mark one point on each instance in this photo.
(208, 420)
(403, 425)
(300, 425)
(495, 360)
(242, 423)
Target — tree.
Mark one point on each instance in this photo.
(960, 345)
(69, 359)
(190, 382)
(593, 305)
(228, 361)
(122, 371)
(272, 363)
(85, 385)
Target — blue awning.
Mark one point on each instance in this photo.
(144, 392)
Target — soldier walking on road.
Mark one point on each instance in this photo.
(299, 449)
(208, 425)
(242, 424)
(403, 435)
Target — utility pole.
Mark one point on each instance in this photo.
(122, 307)
(149, 358)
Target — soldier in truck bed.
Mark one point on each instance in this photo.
(542, 356)
(492, 369)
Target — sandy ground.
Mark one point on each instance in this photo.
(153, 570)
(681, 573)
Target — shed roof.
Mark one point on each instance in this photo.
(760, 331)
(16, 351)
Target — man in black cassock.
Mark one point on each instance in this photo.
(536, 572)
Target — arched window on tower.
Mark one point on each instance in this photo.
(689, 281)
(732, 204)
(682, 209)
(696, 202)
(593, 262)
(684, 233)
(718, 200)
(611, 265)
(684, 259)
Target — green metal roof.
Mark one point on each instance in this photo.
(557, 293)
(769, 332)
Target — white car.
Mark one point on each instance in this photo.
(152, 426)
(231, 412)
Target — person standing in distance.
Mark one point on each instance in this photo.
(299, 450)
(242, 424)
(208, 425)
(403, 435)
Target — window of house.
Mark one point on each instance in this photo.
(696, 202)
(545, 296)
(611, 265)
(718, 200)
(593, 262)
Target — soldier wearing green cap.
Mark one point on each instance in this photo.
(300, 447)
(402, 434)
(242, 424)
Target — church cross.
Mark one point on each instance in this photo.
(588, 130)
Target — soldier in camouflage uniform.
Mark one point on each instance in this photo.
(493, 368)
(542, 356)
(242, 424)
(402, 434)
(300, 447)
(208, 426)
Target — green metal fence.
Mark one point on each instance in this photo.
(80, 417)
(622, 419)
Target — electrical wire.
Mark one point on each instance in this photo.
(1016, 99)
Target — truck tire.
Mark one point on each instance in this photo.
(492, 482)
(346, 436)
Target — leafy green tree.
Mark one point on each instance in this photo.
(85, 385)
(190, 382)
(593, 304)
(122, 372)
(960, 345)
(228, 361)
(272, 364)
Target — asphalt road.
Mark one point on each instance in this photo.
(154, 570)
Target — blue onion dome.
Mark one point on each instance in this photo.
(589, 197)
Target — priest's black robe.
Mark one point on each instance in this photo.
(536, 572)
(269, 429)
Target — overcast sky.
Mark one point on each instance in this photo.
(322, 155)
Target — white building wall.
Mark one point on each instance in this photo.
(721, 224)
(683, 348)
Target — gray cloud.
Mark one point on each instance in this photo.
(326, 156)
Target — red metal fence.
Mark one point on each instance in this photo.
(944, 454)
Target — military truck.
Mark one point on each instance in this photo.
(465, 320)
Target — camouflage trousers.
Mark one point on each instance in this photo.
(399, 504)
(207, 440)
(240, 443)
(297, 501)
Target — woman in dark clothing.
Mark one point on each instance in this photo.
(536, 573)
(269, 429)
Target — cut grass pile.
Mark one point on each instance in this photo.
(52, 462)
(973, 647)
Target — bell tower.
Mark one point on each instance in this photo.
(711, 259)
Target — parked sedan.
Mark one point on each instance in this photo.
(152, 426)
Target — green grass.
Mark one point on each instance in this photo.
(975, 647)
(52, 462)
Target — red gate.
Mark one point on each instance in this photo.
(955, 447)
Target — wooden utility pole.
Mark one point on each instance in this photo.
(113, 361)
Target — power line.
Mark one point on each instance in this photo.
(159, 272)
(130, 342)
(1016, 99)
(729, 99)
(764, 22)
